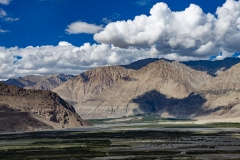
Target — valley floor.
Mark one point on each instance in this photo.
(168, 139)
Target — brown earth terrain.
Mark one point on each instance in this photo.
(116, 91)
(28, 110)
(167, 88)
(220, 98)
(21, 121)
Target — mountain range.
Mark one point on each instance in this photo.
(168, 88)
(211, 67)
(43, 82)
(51, 81)
(193, 89)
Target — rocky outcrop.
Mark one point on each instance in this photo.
(114, 91)
(46, 82)
(46, 108)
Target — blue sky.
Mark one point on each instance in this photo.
(43, 22)
(72, 36)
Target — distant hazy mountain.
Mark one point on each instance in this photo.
(213, 67)
(116, 91)
(140, 63)
(29, 110)
(46, 82)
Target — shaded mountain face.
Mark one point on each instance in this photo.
(116, 91)
(28, 110)
(220, 98)
(213, 67)
(46, 82)
(140, 63)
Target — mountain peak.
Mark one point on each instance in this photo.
(116, 86)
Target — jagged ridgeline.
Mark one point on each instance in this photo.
(194, 89)
(28, 110)
(167, 88)
(116, 91)
(45, 82)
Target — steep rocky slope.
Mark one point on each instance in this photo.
(46, 82)
(220, 98)
(27, 110)
(116, 91)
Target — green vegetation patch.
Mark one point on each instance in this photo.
(224, 125)
(119, 144)
(146, 118)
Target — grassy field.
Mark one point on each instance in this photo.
(155, 121)
(162, 125)
(137, 119)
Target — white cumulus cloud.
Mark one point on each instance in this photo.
(4, 16)
(190, 32)
(83, 27)
(64, 43)
(5, 2)
(184, 35)
(2, 13)
(66, 58)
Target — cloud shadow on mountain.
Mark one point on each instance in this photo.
(187, 108)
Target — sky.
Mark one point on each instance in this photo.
(72, 36)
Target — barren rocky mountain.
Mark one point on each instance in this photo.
(141, 63)
(46, 82)
(116, 91)
(220, 98)
(28, 110)
(211, 67)
(168, 88)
